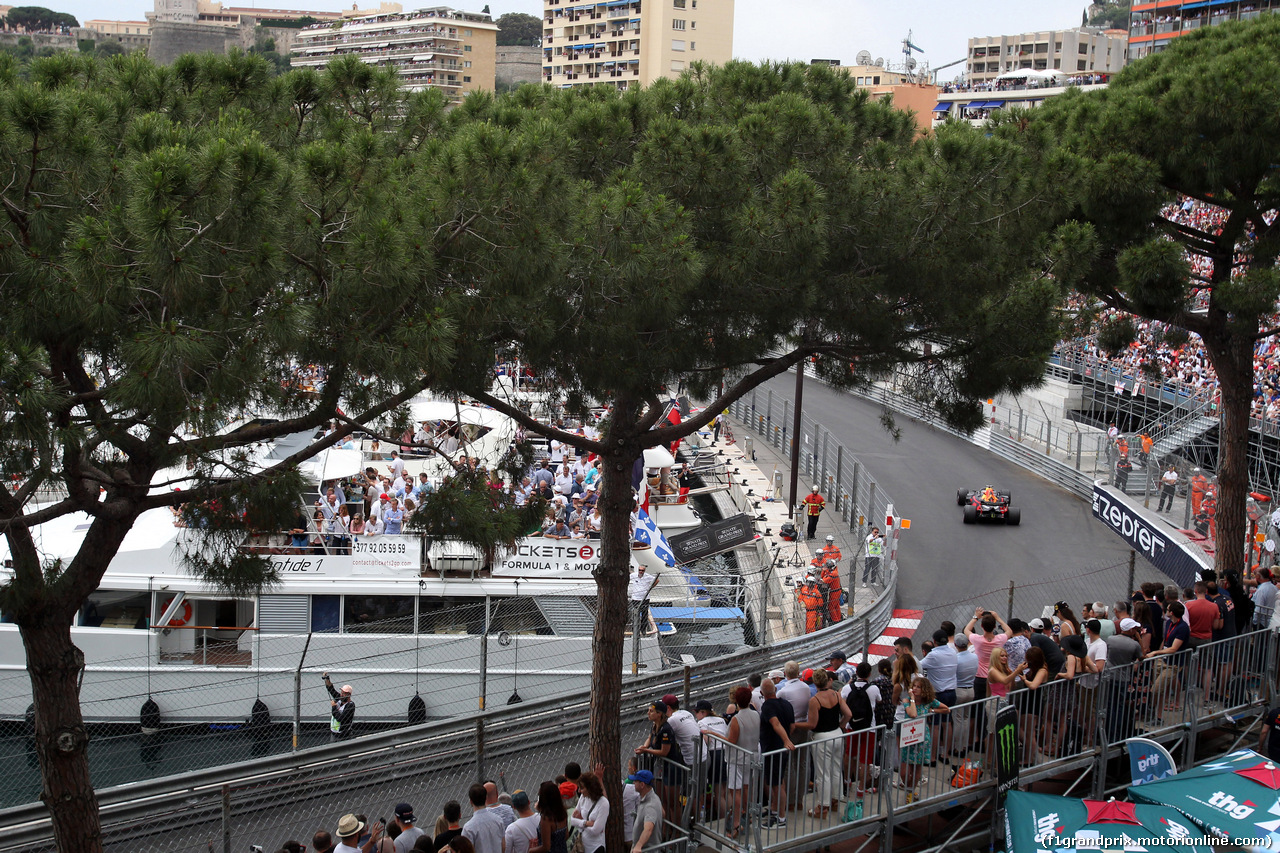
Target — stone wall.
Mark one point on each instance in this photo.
(170, 39)
(518, 64)
(57, 41)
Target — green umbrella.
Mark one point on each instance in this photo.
(1236, 797)
(1044, 823)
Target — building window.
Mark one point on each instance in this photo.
(677, 44)
(1080, 64)
(693, 45)
(678, 4)
(677, 65)
(466, 33)
(466, 48)
(693, 25)
(1082, 49)
(466, 64)
(677, 24)
(466, 79)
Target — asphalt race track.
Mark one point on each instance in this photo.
(943, 562)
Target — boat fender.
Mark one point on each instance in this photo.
(149, 719)
(260, 716)
(178, 620)
(417, 710)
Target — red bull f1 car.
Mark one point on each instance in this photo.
(988, 504)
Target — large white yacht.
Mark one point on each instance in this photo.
(395, 616)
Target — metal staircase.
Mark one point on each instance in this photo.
(567, 615)
(1192, 423)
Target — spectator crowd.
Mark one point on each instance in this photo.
(1159, 352)
(822, 739)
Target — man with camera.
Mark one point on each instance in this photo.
(342, 711)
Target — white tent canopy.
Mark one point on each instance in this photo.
(332, 464)
(1030, 74)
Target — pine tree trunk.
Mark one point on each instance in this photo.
(608, 639)
(1235, 379)
(61, 740)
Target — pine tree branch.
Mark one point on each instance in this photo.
(214, 490)
(537, 426)
(666, 435)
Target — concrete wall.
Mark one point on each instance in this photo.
(518, 64)
(1053, 399)
(170, 39)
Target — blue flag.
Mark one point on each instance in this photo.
(648, 533)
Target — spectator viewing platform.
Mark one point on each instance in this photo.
(1153, 25)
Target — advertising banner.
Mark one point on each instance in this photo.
(1162, 549)
(549, 558)
(1149, 761)
(370, 555)
(1006, 735)
(712, 538)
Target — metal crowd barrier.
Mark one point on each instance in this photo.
(1068, 730)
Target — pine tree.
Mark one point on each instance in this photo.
(176, 243)
(722, 228)
(1192, 121)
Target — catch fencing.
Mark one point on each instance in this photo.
(851, 488)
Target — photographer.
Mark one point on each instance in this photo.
(342, 711)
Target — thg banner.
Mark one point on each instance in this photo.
(712, 538)
(1164, 551)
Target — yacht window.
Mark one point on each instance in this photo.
(378, 614)
(450, 616)
(325, 612)
(518, 616)
(112, 608)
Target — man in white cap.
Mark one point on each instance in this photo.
(1123, 653)
(1054, 659)
(342, 711)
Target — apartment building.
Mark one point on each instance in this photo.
(1152, 25)
(439, 48)
(1082, 50)
(626, 43)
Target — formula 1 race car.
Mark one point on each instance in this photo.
(987, 504)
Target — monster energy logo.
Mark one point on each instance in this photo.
(1007, 740)
(1006, 751)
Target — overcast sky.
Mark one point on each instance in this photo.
(775, 29)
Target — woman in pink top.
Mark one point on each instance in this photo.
(999, 680)
(983, 644)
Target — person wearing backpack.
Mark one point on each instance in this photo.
(827, 715)
(863, 698)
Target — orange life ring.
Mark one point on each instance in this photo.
(175, 622)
